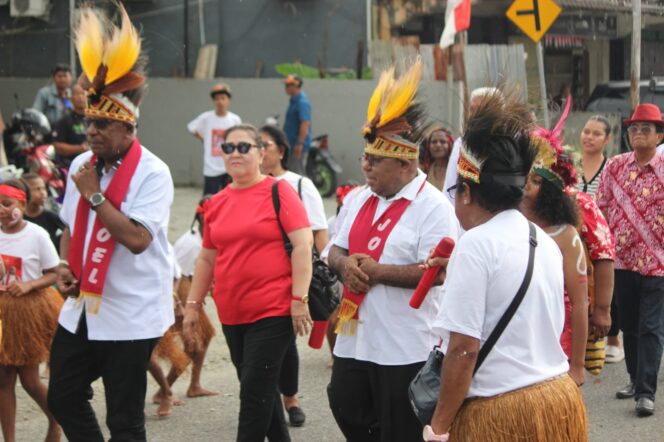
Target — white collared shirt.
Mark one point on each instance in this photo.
(313, 203)
(136, 302)
(390, 332)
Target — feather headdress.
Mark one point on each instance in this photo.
(396, 121)
(110, 57)
(553, 163)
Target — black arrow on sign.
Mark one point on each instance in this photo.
(534, 12)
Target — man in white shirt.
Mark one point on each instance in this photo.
(210, 127)
(116, 269)
(390, 228)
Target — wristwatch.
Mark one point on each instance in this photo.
(429, 436)
(304, 299)
(96, 199)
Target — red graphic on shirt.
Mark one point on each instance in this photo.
(217, 141)
(11, 270)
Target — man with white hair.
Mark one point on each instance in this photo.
(451, 173)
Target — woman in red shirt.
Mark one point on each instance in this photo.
(259, 292)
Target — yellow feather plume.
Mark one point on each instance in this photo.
(89, 42)
(400, 95)
(385, 83)
(546, 157)
(122, 50)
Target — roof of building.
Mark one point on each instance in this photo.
(647, 6)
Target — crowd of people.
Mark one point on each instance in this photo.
(552, 259)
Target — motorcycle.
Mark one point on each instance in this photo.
(26, 145)
(321, 167)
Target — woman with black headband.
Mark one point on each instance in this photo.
(521, 389)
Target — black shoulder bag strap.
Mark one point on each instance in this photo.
(514, 305)
(299, 187)
(276, 203)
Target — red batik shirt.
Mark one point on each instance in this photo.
(595, 230)
(632, 199)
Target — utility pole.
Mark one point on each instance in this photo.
(72, 50)
(185, 37)
(635, 76)
(542, 82)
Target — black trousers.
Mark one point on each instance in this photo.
(290, 371)
(213, 184)
(641, 306)
(257, 351)
(370, 401)
(615, 316)
(76, 362)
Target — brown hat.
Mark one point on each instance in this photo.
(220, 88)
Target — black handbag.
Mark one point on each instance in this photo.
(424, 389)
(323, 293)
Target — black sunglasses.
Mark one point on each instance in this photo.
(242, 147)
(100, 123)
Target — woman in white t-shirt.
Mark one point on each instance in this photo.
(28, 311)
(275, 163)
(522, 390)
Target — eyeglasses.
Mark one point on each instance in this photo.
(242, 147)
(99, 123)
(645, 129)
(451, 191)
(371, 160)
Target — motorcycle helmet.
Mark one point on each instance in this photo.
(32, 122)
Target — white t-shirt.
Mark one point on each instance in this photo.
(311, 199)
(187, 247)
(137, 300)
(485, 271)
(26, 254)
(390, 332)
(212, 128)
(660, 149)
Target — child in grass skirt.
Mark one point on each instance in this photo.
(29, 306)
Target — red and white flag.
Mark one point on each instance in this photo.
(457, 19)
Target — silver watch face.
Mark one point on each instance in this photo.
(96, 199)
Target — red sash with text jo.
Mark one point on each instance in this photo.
(92, 275)
(368, 237)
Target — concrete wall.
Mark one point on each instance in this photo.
(339, 109)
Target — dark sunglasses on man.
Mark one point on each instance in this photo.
(242, 147)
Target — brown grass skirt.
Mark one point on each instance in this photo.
(28, 326)
(205, 330)
(551, 411)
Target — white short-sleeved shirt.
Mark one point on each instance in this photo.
(187, 247)
(136, 302)
(26, 254)
(339, 219)
(485, 271)
(212, 128)
(311, 199)
(390, 332)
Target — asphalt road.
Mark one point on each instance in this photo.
(215, 418)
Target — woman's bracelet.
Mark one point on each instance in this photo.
(196, 303)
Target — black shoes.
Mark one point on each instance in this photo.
(627, 392)
(296, 416)
(645, 407)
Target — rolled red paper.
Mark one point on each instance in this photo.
(443, 250)
(318, 332)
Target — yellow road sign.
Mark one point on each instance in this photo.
(534, 17)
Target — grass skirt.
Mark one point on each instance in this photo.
(28, 325)
(205, 330)
(551, 411)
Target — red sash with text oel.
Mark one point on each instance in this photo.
(92, 274)
(368, 237)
